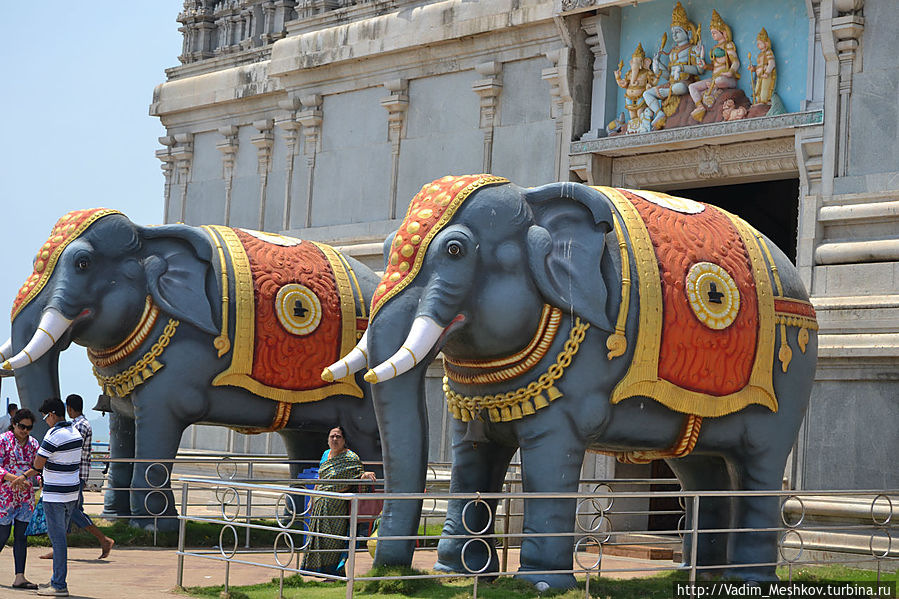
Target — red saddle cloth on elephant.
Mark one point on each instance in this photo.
(705, 343)
(295, 315)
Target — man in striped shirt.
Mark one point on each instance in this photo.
(59, 456)
(74, 408)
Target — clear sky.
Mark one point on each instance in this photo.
(77, 134)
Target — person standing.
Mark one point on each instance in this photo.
(6, 419)
(74, 408)
(17, 451)
(59, 458)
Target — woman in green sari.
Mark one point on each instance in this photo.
(329, 516)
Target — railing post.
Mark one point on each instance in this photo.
(351, 549)
(694, 539)
(249, 503)
(182, 530)
(507, 505)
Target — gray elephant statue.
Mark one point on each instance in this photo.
(186, 325)
(572, 318)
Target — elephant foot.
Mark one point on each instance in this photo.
(450, 556)
(543, 582)
(760, 574)
(166, 524)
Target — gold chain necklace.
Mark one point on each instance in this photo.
(122, 384)
(513, 405)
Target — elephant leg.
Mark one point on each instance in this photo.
(760, 472)
(157, 436)
(303, 446)
(116, 501)
(551, 462)
(476, 467)
(706, 473)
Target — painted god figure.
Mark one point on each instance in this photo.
(639, 78)
(764, 70)
(725, 67)
(680, 66)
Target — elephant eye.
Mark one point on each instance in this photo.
(454, 248)
(82, 263)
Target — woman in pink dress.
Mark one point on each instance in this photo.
(17, 451)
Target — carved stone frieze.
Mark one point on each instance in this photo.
(730, 163)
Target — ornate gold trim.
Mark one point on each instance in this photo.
(435, 229)
(682, 447)
(238, 373)
(518, 363)
(515, 404)
(122, 384)
(279, 421)
(617, 341)
(642, 376)
(108, 357)
(221, 343)
(47, 271)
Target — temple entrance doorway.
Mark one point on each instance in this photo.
(772, 207)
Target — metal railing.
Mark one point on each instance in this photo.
(592, 532)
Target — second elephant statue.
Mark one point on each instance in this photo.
(185, 325)
(574, 318)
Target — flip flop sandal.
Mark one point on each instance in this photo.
(25, 585)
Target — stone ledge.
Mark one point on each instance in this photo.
(873, 345)
(699, 135)
(395, 32)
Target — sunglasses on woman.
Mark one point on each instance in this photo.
(25, 427)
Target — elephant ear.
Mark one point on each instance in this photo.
(566, 247)
(177, 261)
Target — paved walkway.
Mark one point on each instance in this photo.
(151, 573)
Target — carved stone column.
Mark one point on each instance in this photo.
(396, 104)
(268, 22)
(603, 32)
(557, 77)
(183, 152)
(168, 167)
(263, 141)
(842, 26)
(248, 24)
(228, 148)
(311, 120)
(488, 89)
(287, 121)
(284, 12)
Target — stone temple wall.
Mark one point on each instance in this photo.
(322, 118)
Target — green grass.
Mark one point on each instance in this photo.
(198, 534)
(651, 587)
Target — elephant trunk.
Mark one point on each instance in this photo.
(51, 327)
(403, 421)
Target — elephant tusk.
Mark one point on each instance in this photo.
(53, 324)
(421, 339)
(6, 350)
(351, 363)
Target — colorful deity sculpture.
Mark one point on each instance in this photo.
(639, 78)
(680, 65)
(764, 70)
(725, 67)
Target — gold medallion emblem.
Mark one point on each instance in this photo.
(299, 310)
(682, 205)
(713, 294)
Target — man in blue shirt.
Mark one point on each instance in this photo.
(59, 457)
